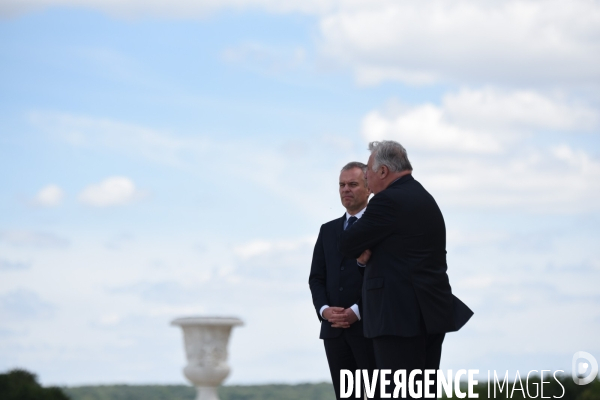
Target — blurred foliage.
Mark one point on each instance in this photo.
(324, 391)
(319, 391)
(19, 384)
(131, 392)
(305, 391)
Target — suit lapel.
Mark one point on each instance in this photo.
(338, 232)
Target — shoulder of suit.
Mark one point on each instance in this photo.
(381, 196)
(333, 222)
(408, 184)
(389, 197)
(403, 181)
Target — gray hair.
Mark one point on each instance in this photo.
(355, 164)
(391, 154)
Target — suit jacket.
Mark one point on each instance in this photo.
(406, 291)
(334, 279)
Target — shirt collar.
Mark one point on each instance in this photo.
(357, 215)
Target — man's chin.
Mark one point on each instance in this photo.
(347, 203)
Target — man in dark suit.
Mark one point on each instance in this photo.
(335, 283)
(407, 302)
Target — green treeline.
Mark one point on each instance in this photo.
(19, 384)
(324, 391)
(306, 391)
(23, 385)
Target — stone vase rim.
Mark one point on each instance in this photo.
(207, 320)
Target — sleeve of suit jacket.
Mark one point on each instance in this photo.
(376, 224)
(318, 275)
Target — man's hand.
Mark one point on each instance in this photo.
(364, 257)
(329, 311)
(342, 319)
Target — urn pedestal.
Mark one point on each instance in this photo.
(205, 341)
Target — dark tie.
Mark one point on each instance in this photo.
(351, 221)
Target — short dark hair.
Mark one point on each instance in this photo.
(355, 164)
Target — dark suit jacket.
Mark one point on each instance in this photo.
(406, 291)
(334, 280)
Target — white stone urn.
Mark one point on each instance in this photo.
(205, 340)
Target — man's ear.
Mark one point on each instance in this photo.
(384, 172)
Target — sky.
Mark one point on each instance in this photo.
(169, 159)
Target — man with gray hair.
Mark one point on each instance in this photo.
(335, 283)
(407, 302)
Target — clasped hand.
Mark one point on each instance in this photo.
(340, 317)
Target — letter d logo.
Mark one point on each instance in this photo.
(580, 367)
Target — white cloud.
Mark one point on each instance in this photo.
(515, 42)
(477, 121)
(575, 158)
(478, 148)
(113, 191)
(49, 196)
(517, 109)
(426, 127)
(558, 179)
